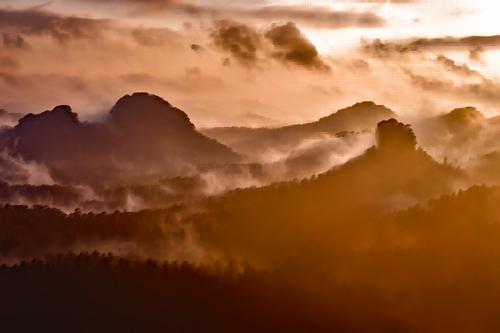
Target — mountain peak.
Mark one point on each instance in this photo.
(391, 134)
(142, 109)
(359, 116)
(60, 115)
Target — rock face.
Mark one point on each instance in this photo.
(141, 132)
(141, 110)
(393, 135)
(150, 128)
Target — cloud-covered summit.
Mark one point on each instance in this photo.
(358, 117)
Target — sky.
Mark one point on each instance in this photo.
(239, 63)
(480, 16)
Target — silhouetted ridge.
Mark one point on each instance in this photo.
(132, 111)
(358, 117)
(47, 135)
(152, 129)
(143, 134)
(61, 113)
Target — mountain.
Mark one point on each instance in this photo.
(393, 175)
(142, 134)
(358, 117)
(460, 135)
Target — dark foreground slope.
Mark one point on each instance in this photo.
(106, 293)
(429, 268)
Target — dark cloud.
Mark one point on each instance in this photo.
(360, 64)
(462, 69)
(242, 41)
(292, 46)
(14, 42)
(156, 37)
(486, 90)
(40, 21)
(385, 49)
(429, 84)
(284, 43)
(196, 47)
(150, 6)
(388, 48)
(145, 3)
(8, 63)
(469, 41)
(476, 53)
(317, 16)
(36, 21)
(320, 17)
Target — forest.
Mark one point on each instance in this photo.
(235, 166)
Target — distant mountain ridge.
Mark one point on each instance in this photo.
(358, 117)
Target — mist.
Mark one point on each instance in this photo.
(249, 166)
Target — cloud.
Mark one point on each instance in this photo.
(8, 63)
(430, 84)
(320, 17)
(453, 42)
(14, 42)
(38, 21)
(462, 69)
(292, 46)
(155, 5)
(242, 41)
(284, 43)
(486, 90)
(317, 16)
(385, 49)
(9, 116)
(476, 53)
(156, 37)
(389, 48)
